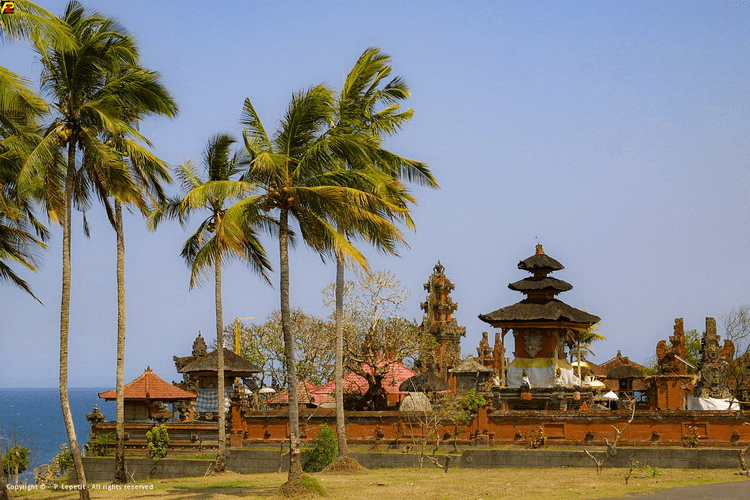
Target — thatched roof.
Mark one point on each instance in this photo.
(541, 283)
(470, 366)
(149, 386)
(625, 371)
(551, 310)
(233, 364)
(424, 382)
(540, 262)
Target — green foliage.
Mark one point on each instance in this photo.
(312, 484)
(158, 442)
(471, 401)
(692, 437)
(64, 460)
(693, 348)
(15, 460)
(101, 444)
(652, 471)
(321, 451)
(56, 471)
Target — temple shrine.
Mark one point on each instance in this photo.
(438, 321)
(200, 375)
(542, 327)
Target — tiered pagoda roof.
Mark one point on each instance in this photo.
(540, 305)
(234, 365)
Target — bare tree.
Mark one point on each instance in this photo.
(611, 447)
(737, 329)
(445, 412)
(375, 336)
(314, 347)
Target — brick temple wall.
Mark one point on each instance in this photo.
(397, 429)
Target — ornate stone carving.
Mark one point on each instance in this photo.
(439, 323)
(711, 351)
(199, 346)
(532, 343)
(671, 358)
(713, 364)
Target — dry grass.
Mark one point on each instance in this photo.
(433, 483)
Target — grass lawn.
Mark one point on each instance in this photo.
(381, 484)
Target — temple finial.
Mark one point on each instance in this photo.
(539, 249)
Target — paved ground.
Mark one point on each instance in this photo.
(729, 491)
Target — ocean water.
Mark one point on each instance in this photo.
(33, 418)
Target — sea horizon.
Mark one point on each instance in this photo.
(32, 417)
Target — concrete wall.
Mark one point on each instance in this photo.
(685, 458)
(101, 470)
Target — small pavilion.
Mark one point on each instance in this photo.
(200, 372)
(148, 397)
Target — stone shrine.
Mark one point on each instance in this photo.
(438, 321)
(542, 327)
(713, 365)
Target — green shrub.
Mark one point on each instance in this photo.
(56, 471)
(158, 442)
(64, 460)
(101, 444)
(321, 451)
(15, 461)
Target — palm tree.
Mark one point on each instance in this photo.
(20, 102)
(213, 244)
(138, 93)
(32, 21)
(81, 84)
(368, 107)
(298, 171)
(21, 235)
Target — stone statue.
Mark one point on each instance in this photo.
(525, 384)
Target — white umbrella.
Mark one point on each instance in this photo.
(596, 384)
(610, 395)
(267, 390)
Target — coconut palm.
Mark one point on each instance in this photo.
(21, 235)
(368, 107)
(20, 107)
(298, 171)
(32, 21)
(213, 244)
(138, 93)
(80, 82)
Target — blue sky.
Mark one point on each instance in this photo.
(614, 133)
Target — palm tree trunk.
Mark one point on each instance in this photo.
(120, 474)
(221, 456)
(339, 368)
(65, 324)
(295, 463)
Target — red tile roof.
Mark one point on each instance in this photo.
(305, 395)
(308, 393)
(397, 373)
(149, 386)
